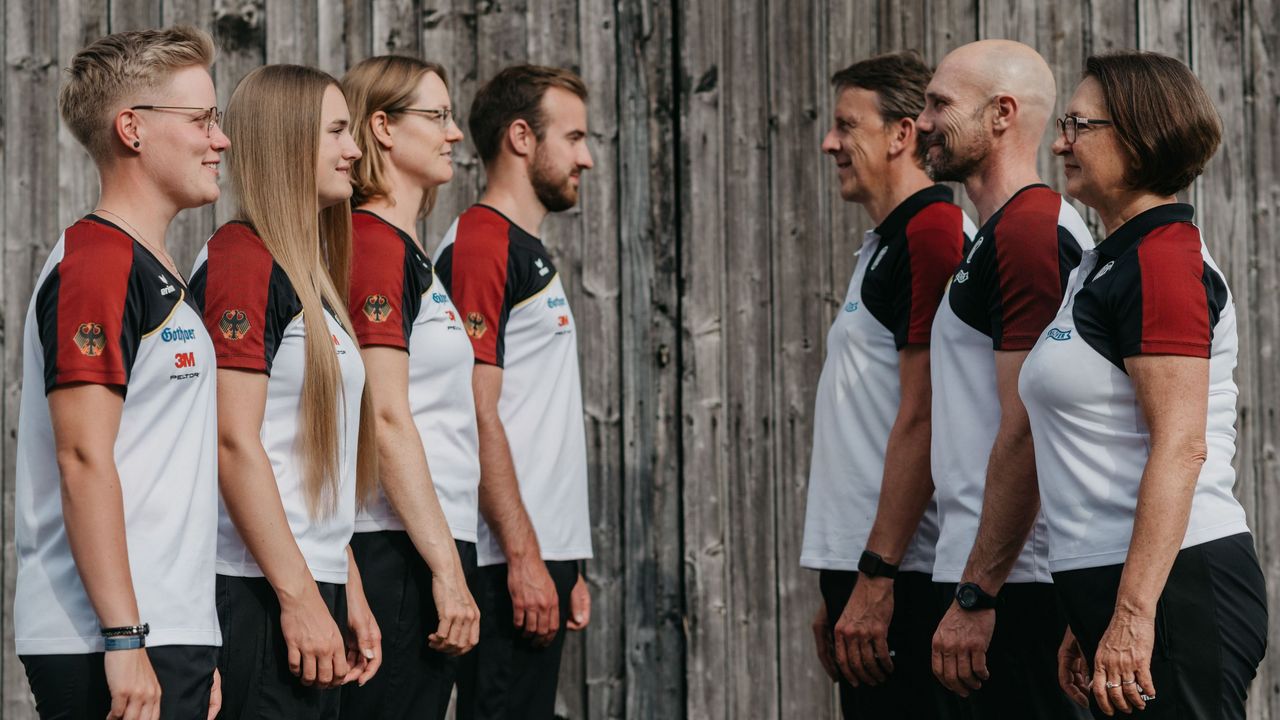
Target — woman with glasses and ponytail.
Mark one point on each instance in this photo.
(415, 543)
(294, 447)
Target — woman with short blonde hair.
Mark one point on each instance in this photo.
(292, 438)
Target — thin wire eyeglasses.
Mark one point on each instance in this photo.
(442, 116)
(210, 116)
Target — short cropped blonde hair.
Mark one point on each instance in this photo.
(119, 66)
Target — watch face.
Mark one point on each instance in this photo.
(966, 597)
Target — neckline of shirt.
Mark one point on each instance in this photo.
(179, 280)
(895, 223)
(1140, 225)
(408, 240)
(509, 221)
(995, 216)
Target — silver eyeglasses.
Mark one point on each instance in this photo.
(209, 116)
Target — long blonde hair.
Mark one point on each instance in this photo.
(274, 124)
(387, 83)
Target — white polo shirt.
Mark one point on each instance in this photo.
(106, 311)
(1149, 288)
(255, 319)
(1001, 297)
(897, 283)
(396, 300)
(516, 313)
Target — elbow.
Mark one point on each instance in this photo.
(1193, 453)
(77, 461)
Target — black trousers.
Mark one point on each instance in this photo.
(911, 692)
(256, 681)
(505, 676)
(74, 687)
(1023, 657)
(414, 680)
(1211, 627)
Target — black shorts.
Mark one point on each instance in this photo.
(1211, 627)
(505, 676)
(1022, 657)
(256, 681)
(911, 692)
(414, 680)
(74, 687)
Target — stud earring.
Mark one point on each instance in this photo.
(137, 143)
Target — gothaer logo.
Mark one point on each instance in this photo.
(1059, 334)
(234, 324)
(377, 308)
(90, 339)
(476, 326)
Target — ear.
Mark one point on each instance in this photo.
(902, 136)
(380, 127)
(521, 138)
(127, 129)
(1006, 111)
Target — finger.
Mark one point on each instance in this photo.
(858, 663)
(553, 625)
(881, 647)
(842, 659)
(372, 665)
(871, 662)
(1099, 687)
(936, 664)
(308, 669)
(1146, 683)
(295, 660)
(118, 705)
(215, 695)
(444, 630)
(826, 654)
(1116, 693)
(964, 671)
(980, 670)
(518, 616)
(324, 670)
(152, 711)
(1068, 680)
(951, 678)
(340, 667)
(1132, 696)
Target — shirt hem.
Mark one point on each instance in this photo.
(337, 577)
(89, 645)
(578, 554)
(1120, 555)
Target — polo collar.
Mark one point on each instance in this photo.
(895, 224)
(1138, 226)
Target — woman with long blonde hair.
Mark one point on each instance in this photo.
(416, 542)
(290, 388)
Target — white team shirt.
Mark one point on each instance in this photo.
(1149, 288)
(1004, 293)
(256, 321)
(398, 301)
(516, 313)
(106, 311)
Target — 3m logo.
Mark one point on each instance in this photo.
(562, 321)
(377, 308)
(90, 339)
(449, 314)
(234, 324)
(184, 360)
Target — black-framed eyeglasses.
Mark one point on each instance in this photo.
(209, 116)
(1069, 126)
(442, 116)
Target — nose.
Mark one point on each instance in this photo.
(218, 140)
(830, 143)
(350, 151)
(585, 162)
(1060, 146)
(454, 133)
(924, 123)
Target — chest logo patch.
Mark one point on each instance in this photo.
(377, 308)
(542, 269)
(962, 276)
(851, 307)
(476, 326)
(90, 339)
(879, 256)
(234, 324)
(1059, 334)
(1105, 269)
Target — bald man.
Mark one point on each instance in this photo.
(984, 118)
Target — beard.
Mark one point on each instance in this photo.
(952, 164)
(553, 187)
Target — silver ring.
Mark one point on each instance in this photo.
(1112, 686)
(1128, 682)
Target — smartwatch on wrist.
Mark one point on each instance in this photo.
(971, 596)
(872, 565)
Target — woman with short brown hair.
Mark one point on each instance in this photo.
(1132, 405)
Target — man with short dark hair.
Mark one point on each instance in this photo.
(529, 124)
(872, 416)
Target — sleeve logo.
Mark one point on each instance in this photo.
(234, 324)
(90, 339)
(476, 326)
(377, 308)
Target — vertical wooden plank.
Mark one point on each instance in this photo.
(191, 228)
(80, 23)
(357, 30)
(1262, 127)
(902, 25)
(710, 88)
(240, 33)
(331, 39)
(797, 88)
(449, 38)
(1109, 26)
(31, 227)
(134, 14)
(396, 27)
(291, 32)
(502, 38)
(1060, 38)
(648, 202)
(952, 23)
(1165, 27)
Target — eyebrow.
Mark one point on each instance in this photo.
(339, 124)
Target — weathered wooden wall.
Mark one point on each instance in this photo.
(705, 262)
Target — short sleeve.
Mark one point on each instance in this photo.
(1029, 279)
(381, 302)
(475, 270)
(935, 246)
(89, 320)
(1170, 300)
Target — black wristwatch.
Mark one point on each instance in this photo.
(872, 565)
(971, 596)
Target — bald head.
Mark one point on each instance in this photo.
(992, 68)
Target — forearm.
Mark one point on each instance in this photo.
(93, 510)
(1010, 503)
(252, 499)
(406, 479)
(1159, 526)
(905, 490)
(500, 501)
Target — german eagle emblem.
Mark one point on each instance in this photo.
(377, 308)
(476, 325)
(234, 324)
(90, 339)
